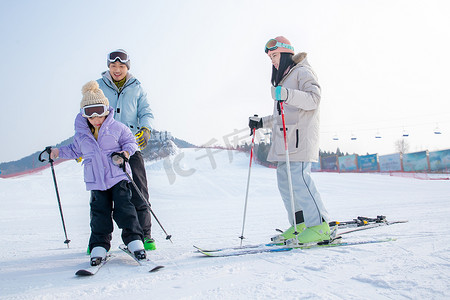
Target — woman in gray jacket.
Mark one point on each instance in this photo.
(295, 84)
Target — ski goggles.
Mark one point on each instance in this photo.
(95, 110)
(118, 55)
(273, 44)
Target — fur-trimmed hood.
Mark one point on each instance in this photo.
(299, 57)
(300, 61)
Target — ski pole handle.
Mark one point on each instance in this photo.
(119, 159)
(47, 149)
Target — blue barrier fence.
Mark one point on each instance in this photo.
(423, 161)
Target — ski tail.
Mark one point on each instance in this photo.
(361, 221)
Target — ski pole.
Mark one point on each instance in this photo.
(121, 162)
(48, 150)
(248, 184)
(288, 169)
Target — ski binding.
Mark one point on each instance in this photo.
(152, 267)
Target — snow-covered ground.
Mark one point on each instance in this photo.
(200, 201)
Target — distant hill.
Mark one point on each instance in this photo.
(163, 144)
(27, 163)
(160, 145)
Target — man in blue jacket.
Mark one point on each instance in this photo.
(129, 101)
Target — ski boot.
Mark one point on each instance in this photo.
(149, 244)
(288, 234)
(98, 254)
(136, 247)
(315, 234)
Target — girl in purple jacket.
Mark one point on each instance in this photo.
(97, 136)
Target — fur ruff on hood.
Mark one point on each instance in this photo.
(299, 57)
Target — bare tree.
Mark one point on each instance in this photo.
(402, 146)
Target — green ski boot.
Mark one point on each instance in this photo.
(149, 244)
(313, 234)
(288, 234)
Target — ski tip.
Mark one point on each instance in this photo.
(206, 253)
(198, 249)
(83, 273)
(155, 269)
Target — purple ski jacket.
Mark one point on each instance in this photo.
(99, 171)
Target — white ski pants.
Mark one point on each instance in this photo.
(306, 196)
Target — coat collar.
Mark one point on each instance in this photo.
(299, 57)
(299, 60)
(109, 81)
(81, 123)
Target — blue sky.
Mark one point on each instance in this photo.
(383, 66)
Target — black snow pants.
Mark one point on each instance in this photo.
(114, 203)
(140, 178)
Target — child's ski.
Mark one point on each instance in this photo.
(152, 267)
(92, 270)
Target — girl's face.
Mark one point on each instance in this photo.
(118, 70)
(96, 121)
(275, 58)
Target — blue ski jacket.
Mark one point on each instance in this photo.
(130, 105)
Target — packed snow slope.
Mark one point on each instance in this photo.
(200, 199)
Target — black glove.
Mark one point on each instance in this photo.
(255, 122)
(142, 137)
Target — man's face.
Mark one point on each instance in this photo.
(118, 70)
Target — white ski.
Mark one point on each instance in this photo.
(92, 270)
(152, 267)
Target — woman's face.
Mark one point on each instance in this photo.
(275, 58)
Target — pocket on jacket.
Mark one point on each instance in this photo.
(89, 176)
(292, 134)
(133, 127)
(116, 171)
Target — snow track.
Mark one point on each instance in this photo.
(205, 208)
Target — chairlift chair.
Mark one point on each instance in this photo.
(437, 130)
(405, 133)
(378, 135)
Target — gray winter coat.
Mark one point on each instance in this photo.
(301, 115)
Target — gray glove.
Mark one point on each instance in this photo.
(279, 93)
